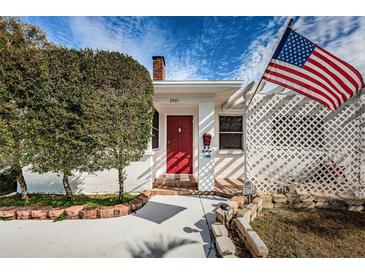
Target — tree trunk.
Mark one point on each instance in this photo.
(21, 181)
(121, 178)
(66, 185)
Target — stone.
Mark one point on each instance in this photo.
(355, 208)
(258, 201)
(106, 212)
(241, 200)
(8, 212)
(121, 210)
(338, 205)
(279, 198)
(307, 204)
(147, 193)
(292, 197)
(259, 209)
(352, 200)
(323, 205)
(135, 204)
(41, 213)
(144, 198)
(55, 213)
(252, 207)
(225, 246)
(319, 197)
(256, 245)
(219, 215)
(265, 197)
(253, 215)
(244, 213)
(89, 213)
(219, 230)
(242, 226)
(233, 206)
(267, 204)
(335, 198)
(24, 212)
(281, 205)
(304, 196)
(73, 211)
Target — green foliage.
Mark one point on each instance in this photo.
(62, 201)
(120, 110)
(21, 76)
(7, 181)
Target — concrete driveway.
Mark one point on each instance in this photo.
(167, 226)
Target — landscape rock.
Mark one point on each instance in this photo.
(219, 230)
(233, 206)
(257, 246)
(73, 211)
(225, 246)
(307, 204)
(89, 213)
(219, 215)
(244, 213)
(304, 196)
(240, 199)
(352, 200)
(279, 198)
(8, 212)
(355, 208)
(121, 210)
(41, 213)
(319, 197)
(144, 198)
(135, 204)
(24, 212)
(55, 213)
(338, 205)
(266, 198)
(147, 193)
(252, 207)
(292, 197)
(323, 205)
(242, 226)
(258, 201)
(253, 215)
(267, 204)
(106, 212)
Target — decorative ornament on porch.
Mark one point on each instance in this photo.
(207, 152)
(248, 190)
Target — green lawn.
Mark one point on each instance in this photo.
(312, 233)
(62, 201)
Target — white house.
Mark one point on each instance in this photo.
(289, 139)
(185, 110)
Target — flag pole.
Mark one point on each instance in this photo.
(288, 26)
(247, 106)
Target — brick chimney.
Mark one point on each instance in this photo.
(159, 65)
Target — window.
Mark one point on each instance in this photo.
(155, 130)
(230, 132)
(301, 131)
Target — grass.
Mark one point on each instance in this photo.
(62, 201)
(312, 233)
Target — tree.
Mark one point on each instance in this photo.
(120, 111)
(21, 76)
(57, 125)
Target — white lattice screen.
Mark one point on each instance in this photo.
(293, 141)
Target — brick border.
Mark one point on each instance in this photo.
(74, 212)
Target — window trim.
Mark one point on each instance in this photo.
(230, 132)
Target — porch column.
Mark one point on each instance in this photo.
(206, 165)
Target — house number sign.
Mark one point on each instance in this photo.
(174, 100)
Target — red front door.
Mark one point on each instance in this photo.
(179, 145)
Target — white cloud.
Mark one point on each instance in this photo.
(342, 36)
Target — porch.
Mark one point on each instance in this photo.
(189, 186)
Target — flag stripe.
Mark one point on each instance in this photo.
(348, 73)
(342, 74)
(304, 84)
(347, 65)
(296, 88)
(309, 77)
(330, 81)
(337, 80)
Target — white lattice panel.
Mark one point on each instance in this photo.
(293, 141)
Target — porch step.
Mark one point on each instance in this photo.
(186, 191)
(175, 183)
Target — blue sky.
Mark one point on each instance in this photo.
(213, 48)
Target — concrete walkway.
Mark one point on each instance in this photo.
(167, 226)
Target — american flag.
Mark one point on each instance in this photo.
(302, 66)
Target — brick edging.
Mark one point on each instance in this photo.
(75, 211)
